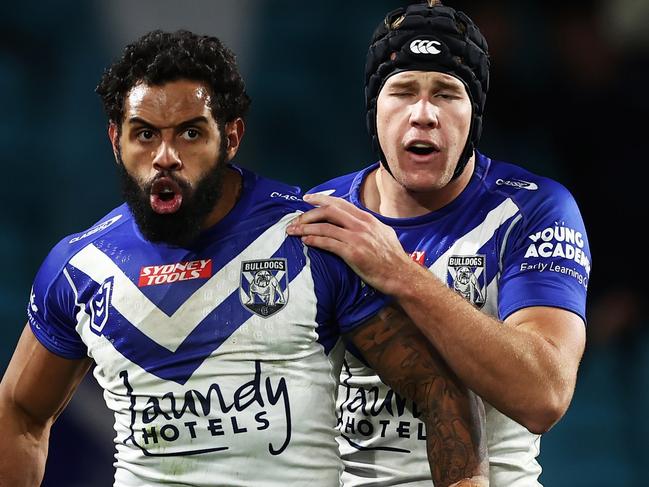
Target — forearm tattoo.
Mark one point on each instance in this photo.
(454, 416)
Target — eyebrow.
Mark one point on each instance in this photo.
(438, 85)
(191, 121)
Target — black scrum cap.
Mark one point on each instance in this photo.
(422, 37)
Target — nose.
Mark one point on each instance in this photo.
(424, 114)
(166, 157)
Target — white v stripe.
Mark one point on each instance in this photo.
(171, 331)
(469, 243)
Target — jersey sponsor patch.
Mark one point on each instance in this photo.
(559, 241)
(154, 275)
(466, 275)
(264, 286)
(419, 256)
(206, 420)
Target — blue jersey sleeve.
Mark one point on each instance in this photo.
(52, 308)
(546, 259)
(343, 298)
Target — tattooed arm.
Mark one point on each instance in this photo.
(454, 416)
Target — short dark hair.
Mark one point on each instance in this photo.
(160, 57)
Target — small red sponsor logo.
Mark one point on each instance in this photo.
(154, 275)
(419, 256)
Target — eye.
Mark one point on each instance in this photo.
(190, 134)
(145, 135)
(402, 93)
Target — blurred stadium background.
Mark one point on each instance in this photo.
(568, 100)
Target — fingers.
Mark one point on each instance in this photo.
(332, 245)
(326, 230)
(341, 205)
(323, 199)
(332, 214)
(337, 213)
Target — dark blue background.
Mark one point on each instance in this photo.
(568, 100)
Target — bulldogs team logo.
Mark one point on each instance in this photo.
(264, 286)
(467, 276)
(99, 304)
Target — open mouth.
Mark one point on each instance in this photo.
(421, 148)
(166, 196)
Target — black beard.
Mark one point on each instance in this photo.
(182, 228)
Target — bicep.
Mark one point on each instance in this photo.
(564, 330)
(39, 383)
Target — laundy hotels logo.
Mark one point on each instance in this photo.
(154, 275)
(264, 286)
(467, 276)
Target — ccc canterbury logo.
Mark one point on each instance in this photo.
(421, 46)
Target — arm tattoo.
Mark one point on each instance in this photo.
(454, 416)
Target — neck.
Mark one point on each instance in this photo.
(231, 191)
(384, 195)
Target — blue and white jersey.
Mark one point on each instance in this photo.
(509, 241)
(220, 361)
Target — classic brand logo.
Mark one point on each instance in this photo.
(466, 275)
(517, 183)
(102, 226)
(425, 46)
(264, 286)
(155, 275)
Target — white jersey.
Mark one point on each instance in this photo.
(509, 241)
(219, 361)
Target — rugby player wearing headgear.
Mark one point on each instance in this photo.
(214, 335)
(496, 261)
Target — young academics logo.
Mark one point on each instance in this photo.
(264, 286)
(466, 276)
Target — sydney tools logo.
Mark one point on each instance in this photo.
(154, 275)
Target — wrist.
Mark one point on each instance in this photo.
(411, 281)
(476, 481)
(403, 278)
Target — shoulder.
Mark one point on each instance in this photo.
(71, 244)
(269, 195)
(342, 186)
(530, 192)
(549, 215)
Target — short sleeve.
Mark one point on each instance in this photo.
(343, 298)
(51, 311)
(546, 260)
